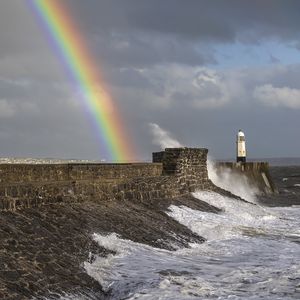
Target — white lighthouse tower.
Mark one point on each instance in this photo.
(240, 147)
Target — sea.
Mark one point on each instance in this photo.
(252, 250)
(249, 254)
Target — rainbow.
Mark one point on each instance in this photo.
(81, 68)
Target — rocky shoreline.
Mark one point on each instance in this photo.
(43, 249)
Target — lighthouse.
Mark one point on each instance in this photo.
(240, 147)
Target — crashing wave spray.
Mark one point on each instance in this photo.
(237, 184)
(236, 218)
(226, 179)
(236, 260)
(162, 137)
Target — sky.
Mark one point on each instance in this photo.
(199, 69)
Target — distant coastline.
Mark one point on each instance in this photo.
(280, 161)
(273, 161)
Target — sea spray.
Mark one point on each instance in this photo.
(238, 258)
(162, 137)
(240, 265)
(237, 184)
(121, 273)
(236, 218)
(250, 250)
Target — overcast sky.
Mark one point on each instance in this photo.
(200, 69)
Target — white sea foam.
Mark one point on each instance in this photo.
(239, 209)
(237, 184)
(113, 270)
(250, 251)
(240, 267)
(236, 218)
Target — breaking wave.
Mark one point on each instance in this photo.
(249, 251)
(237, 184)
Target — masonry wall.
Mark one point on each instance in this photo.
(18, 173)
(25, 185)
(187, 165)
(180, 170)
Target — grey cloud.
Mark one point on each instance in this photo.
(156, 57)
(278, 97)
(172, 104)
(25, 53)
(211, 20)
(274, 60)
(143, 49)
(45, 120)
(141, 33)
(7, 110)
(197, 87)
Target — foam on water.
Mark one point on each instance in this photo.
(251, 253)
(190, 274)
(113, 270)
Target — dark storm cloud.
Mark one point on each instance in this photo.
(144, 49)
(197, 19)
(140, 33)
(157, 58)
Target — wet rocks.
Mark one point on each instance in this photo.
(42, 250)
(48, 215)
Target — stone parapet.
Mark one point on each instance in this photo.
(174, 172)
(24, 173)
(187, 165)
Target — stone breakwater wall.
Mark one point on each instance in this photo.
(23, 173)
(257, 174)
(174, 172)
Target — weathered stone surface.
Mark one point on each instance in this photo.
(48, 214)
(18, 173)
(43, 249)
(181, 170)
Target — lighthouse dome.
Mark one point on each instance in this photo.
(241, 133)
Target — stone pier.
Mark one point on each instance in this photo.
(174, 172)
